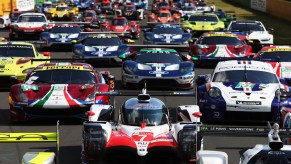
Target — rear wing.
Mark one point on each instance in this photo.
(26, 137)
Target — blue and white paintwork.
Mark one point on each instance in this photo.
(84, 4)
(140, 4)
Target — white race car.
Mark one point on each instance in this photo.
(4, 21)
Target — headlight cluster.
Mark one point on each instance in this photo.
(129, 69)
(214, 92)
(186, 70)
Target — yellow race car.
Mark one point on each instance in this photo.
(15, 60)
(62, 11)
(203, 22)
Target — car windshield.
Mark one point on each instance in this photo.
(31, 18)
(66, 29)
(246, 27)
(203, 18)
(119, 22)
(282, 56)
(164, 14)
(245, 76)
(213, 40)
(102, 41)
(61, 8)
(61, 76)
(89, 14)
(159, 58)
(168, 31)
(16, 51)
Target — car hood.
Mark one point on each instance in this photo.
(221, 50)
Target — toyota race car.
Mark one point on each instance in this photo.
(58, 90)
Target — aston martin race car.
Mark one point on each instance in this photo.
(102, 47)
(253, 30)
(58, 90)
(240, 90)
(158, 67)
(62, 11)
(167, 34)
(16, 61)
(143, 130)
(203, 22)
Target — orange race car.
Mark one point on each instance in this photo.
(163, 16)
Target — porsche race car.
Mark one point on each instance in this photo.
(58, 90)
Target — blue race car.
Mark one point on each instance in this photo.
(102, 47)
(158, 67)
(167, 34)
(84, 4)
(63, 34)
(140, 4)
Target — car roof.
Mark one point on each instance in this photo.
(40, 14)
(240, 65)
(246, 21)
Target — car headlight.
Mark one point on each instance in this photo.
(129, 69)
(22, 96)
(73, 36)
(279, 93)
(28, 70)
(184, 70)
(214, 92)
(158, 36)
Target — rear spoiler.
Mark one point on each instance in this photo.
(27, 137)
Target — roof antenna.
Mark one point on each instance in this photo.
(144, 90)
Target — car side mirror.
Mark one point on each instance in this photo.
(13, 80)
(46, 54)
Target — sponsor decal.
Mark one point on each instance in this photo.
(245, 85)
(278, 49)
(248, 102)
(26, 87)
(63, 67)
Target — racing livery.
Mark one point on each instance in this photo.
(58, 90)
(131, 12)
(84, 4)
(163, 16)
(62, 11)
(16, 60)
(158, 68)
(240, 90)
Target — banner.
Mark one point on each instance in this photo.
(260, 5)
(25, 5)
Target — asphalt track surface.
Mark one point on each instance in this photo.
(71, 130)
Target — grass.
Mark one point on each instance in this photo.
(282, 32)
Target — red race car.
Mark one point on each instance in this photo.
(163, 16)
(58, 90)
(122, 27)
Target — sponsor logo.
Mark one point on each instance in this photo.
(248, 102)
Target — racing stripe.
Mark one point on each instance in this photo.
(229, 53)
(214, 53)
(69, 99)
(42, 157)
(45, 98)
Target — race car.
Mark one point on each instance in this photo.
(13, 16)
(203, 6)
(158, 68)
(163, 16)
(140, 4)
(63, 34)
(186, 11)
(62, 11)
(167, 34)
(102, 47)
(29, 25)
(16, 61)
(225, 16)
(131, 12)
(84, 4)
(4, 20)
(122, 27)
(203, 22)
(106, 7)
(44, 7)
(91, 17)
(240, 90)
(217, 45)
(143, 130)
(58, 90)
(253, 30)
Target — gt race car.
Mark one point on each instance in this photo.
(16, 61)
(167, 34)
(158, 67)
(58, 90)
(102, 47)
(143, 130)
(91, 17)
(240, 90)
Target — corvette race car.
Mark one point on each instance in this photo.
(253, 30)
(167, 34)
(203, 22)
(240, 90)
(143, 131)
(29, 25)
(158, 67)
(122, 27)
(163, 16)
(102, 47)
(16, 61)
(58, 90)
(62, 11)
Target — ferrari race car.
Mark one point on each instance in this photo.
(58, 90)
(143, 130)
(253, 30)
(167, 34)
(29, 25)
(122, 27)
(62, 11)
(102, 47)
(158, 68)
(16, 61)
(163, 16)
(203, 22)
(240, 90)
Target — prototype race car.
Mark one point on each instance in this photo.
(91, 17)
(167, 34)
(58, 90)
(102, 47)
(62, 11)
(44, 7)
(163, 16)
(16, 61)
(143, 130)
(158, 67)
(253, 30)
(84, 4)
(121, 26)
(131, 12)
(240, 90)
(106, 7)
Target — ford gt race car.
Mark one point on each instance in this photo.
(58, 90)
(167, 34)
(16, 61)
(143, 131)
(102, 47)
(240, 90)
(158, 68)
